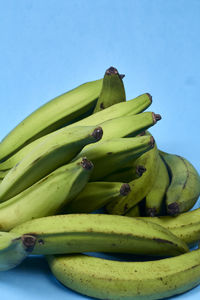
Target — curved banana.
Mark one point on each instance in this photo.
(119, 280)
(57, 150)
(185, 225)
(112, 91)
(51, 116)
(184, 188)
(139, 187)
(134, 211)
(14, 249)
(76, 233)
(110, 155)
(47, 196)
(112, 128)
(96, 195)
(155, 205)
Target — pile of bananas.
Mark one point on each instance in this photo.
(82, 174)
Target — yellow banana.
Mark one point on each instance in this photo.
(51, 116)
(47, 196)
(14, 249)
(155, 205)
(96, 195)
(112, 91)
(76, 233)
(119, 280)
(184, 188)
(56, 150)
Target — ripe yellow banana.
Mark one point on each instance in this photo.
(139, 187)
(51, 116)
(184, 188)
(112, 128)
(185, 225)
(55, 151)
(108, 156)
(47, 196)
(14, 249)
(96, 195)
(76, 233)
(119, 280)
(155, 204)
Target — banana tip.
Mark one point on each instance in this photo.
(150, 97)
(152, 141)
(173, 209)
(156, 117)
(151, 212)
(97, 133)
(28, 242)
(125, 189)
(86, 164)
(140, 170)
(111, 71)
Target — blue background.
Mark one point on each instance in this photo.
(50, 46)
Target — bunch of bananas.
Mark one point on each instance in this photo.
(89, 150)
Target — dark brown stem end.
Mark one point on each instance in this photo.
(111, 71)
(28, 242)
(86, 164)
(97, 133)
(125, 189)
(173, 209)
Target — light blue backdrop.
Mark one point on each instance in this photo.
(50, 46)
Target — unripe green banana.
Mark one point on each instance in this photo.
(96, 195)
(14, 249)
(56, 150)
(117, 127)
(76, 233)
(141, 186)
(184, 188)
(186, 225)
(112, 91)
(47, 196)
(51, 116)
(134, 211)
(155, 205)
(119, 280)
(110, 155)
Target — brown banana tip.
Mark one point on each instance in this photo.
(156, 117)
(125, 189)
(140, 170)
(111, 71)
(151, 212)
(121, 76)
(86, 164)
(28, 241)
(173, 209)
(150, 97)
(97, 133)
(152, 141)
(142, 133)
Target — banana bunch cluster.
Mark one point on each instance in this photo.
(89, 150)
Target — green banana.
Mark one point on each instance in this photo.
(76, 233)
(119, 280)
(14, 249)
(112, 91)
(134, 211)
(184, 188)
(139, 187)
(96, 195)
(155, 198)
(117, 127)
(185, 225)
(108, 156)
(47, 196)
(56, 150)
(51, 116)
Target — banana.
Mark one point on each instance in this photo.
(139, 187)
(112, 91)
(155, 198)
(57, 150)
(134, 211)
(76, 233)
(47, 196)
(108, 156)
(14, 249)
(117, 127)
(96, 195)
(185, 225)
(184, 188)
(51, 116)
(122, 280)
